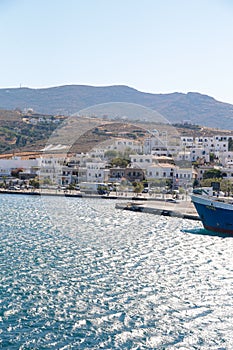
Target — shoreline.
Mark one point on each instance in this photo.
(183, 209)
(78, 194)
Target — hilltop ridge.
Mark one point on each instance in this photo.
(69, 99)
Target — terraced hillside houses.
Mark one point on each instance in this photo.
(149, 159)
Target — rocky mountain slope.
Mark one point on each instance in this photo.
(175, 107)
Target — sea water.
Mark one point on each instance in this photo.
(79, 274)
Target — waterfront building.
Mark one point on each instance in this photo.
(160, 171)
(27, 165)
(179, 176)
(97, 171)
(131, 174)
(183, 177)
(51, 169)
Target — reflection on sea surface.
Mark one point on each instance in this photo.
(202, 231)
(94, 277)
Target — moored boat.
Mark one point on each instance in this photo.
(216, 214)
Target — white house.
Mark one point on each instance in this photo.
(183, 177)
(200, 153)
(227, 171)
(225, 158)
(187, 141)
(155, 144)
(180, 176)
(27, 165)
(183, 155)
(97, 171)
(51, 169)
(214, 143)
(160, 171)
(118, 145)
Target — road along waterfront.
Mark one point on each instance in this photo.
(144, 203)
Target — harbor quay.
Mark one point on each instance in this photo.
(165, 206)
(182, 209)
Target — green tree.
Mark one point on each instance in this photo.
(47, 181)
(127, 152)
(110, 154)
(208, 182)
(102, 189)
(226, 186)
(212, 174)
(169, 184)
(195, 183)
(119, 162)
(230, 144)
(138, 187)
(34, 183)
(158, 182)
(211, 157)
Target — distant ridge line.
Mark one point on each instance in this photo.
(69, 99)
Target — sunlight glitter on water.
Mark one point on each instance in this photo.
(104, 278)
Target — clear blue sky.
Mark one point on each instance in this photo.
(157, 46)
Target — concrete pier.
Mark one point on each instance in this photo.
(157, 206)
(182, 209)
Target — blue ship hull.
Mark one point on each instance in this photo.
(215, 215)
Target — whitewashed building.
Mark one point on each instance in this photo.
(156, 144)
(180, 176)
(51, 169)
(30, 166)
(121, 145)
(225, 158)
(160, 171)
(183, 177)
(96, 171)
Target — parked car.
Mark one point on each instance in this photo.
(15, 188)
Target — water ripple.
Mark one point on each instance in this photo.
(91, 277)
